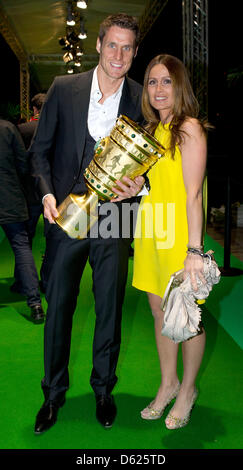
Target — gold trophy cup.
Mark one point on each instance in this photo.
(129, 151)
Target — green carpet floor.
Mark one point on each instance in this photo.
(216, 421)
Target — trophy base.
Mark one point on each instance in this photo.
(77, 214)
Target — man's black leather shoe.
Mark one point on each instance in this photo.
(47, 416)
(105, 410)
(37, 314)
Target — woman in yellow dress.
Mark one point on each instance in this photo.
(169, 231)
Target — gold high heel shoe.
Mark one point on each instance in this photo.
(172, 422)
(152, 413)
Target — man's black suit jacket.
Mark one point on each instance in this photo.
(58, 145)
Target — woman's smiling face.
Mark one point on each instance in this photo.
(160, 90)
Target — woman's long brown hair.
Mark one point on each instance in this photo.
(186, 104)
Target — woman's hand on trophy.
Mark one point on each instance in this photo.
(50, 208)
(128, 188)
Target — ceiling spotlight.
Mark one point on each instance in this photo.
(79, 52)
(67, 46)
(68, 57)
(82, 34)
(70, 16)
(72, 37)
(82, 5)
(62, 41)
(71, 21)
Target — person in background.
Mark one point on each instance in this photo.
(171, 109)
(14, 214)
(27, 129)
(35, 207)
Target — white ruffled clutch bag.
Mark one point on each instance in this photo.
(182, 314)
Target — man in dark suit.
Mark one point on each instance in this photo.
(78, 111)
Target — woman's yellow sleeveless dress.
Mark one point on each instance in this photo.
(161, 234)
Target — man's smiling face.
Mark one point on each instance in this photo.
(116, 51)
